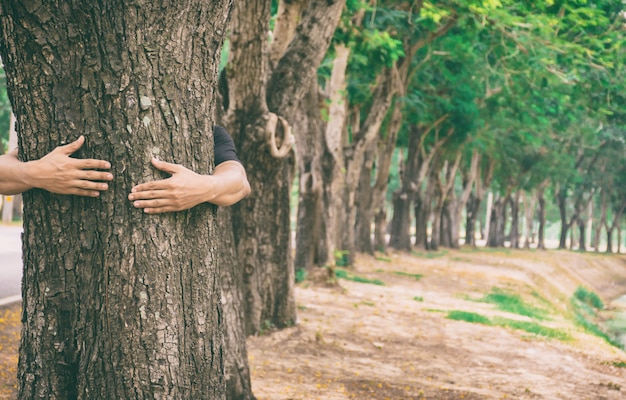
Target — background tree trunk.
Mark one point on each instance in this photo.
(515, 220)
(117, 304)
(311, 245)
(601, 222)
(364, 199)
(541, 216)
(258, 98)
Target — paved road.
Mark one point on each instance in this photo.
(10, 263)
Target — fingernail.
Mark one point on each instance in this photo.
(104, 186)
(107, 165)
(95, 194)
(131, 197)
(137, 204)
(133, 190)
(110, 177)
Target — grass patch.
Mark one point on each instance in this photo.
(513, 303)
(619, 364)
(417, 277)
(418, 298)
(586, 305)
(343, 274)
(588, 297)
(530, 327)
(533, 327)
(429, 254)
(467, 316)
(301, 275)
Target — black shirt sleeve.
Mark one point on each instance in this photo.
(224, 146)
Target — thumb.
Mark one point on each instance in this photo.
(73, 147)
(165, 166)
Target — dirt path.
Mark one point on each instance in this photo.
(380, 342)
(365, 341)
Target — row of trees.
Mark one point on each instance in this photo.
(524, 100)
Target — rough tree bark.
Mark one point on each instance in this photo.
(261, 104)
(445, 181)
(117, 304)
(610, 228)
(483, 181)
(311, 243)
(363, 200)
(413, 172)
(457, 204)
(514, 235)
(601, 221)
(237, 372)
(386, 148)
(541, 216)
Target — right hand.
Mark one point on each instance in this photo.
(58, 173)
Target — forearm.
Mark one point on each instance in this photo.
(14, 175)
(229, 184)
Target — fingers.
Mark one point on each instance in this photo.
(73, 147)
(156, 206)
(89, 163)
(165, 166)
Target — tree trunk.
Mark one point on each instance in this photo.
(261, 107)
(445, 182)
(458, 204)
(581, 235)
(427, 207)
(541, 216)
(117, 304)
(445, 233)
(561, 201)
(421, 211)
(237, 372)
(364, 200)
(529, 211)
(615, 225)
(497, 223)
(471, 213)
(601, 222)
(385, 157)
(400, 228)
(355, 153)
(311, 245)
(333, 158)
(514, 236)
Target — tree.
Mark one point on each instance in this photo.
(262, 99)
(117, 304)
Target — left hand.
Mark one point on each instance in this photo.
(181, 191)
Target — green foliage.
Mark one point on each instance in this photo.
(341, 258)
(429, 254)
(417, 277)
(530, 327)
(468, 317)
(418, 298)
(343, 274)
(585, 305)
(588, 297)
(301, 275)
(513, 303)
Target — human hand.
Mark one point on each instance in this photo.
(58, 173)
(184, 189)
